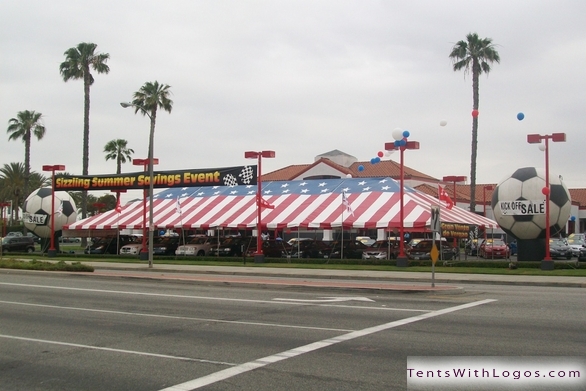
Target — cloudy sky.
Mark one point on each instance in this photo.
(301, 78)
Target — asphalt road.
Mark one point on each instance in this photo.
(72, 332)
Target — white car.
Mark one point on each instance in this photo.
(198, 246)
(131, 249)
(576, 243)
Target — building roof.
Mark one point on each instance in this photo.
(385, 168)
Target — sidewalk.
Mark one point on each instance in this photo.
(326, 278)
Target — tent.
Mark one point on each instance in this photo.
(319, 203)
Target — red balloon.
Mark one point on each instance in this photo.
(545, 190)
(475, 113)
(380, 154)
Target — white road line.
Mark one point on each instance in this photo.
(175, 317)
(75, 345)
(261, 362)
(209, 298)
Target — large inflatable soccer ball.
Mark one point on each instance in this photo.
(526, 185)
(37, 209)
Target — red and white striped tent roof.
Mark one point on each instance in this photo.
(374, 203)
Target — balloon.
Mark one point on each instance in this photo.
(361, 168)
(373, 160)
(377, 159)
(542, 147)
(402, 143)
(443, 122)
(545, 190)
(475, 113)
(398, 133)
(406, 134)
(348, 175)
(573, 218)
(388, 153)
(380, 154)
(398, 143)
(520, 116)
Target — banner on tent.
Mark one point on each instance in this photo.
(228, 176)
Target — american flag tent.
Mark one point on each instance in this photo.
(320, 204)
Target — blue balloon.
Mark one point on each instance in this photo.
(520, 116)
(573, 218)
(397, 143)
(373, 161)
(361, 168)
(403, 142)
(406, 134)
(377, 159)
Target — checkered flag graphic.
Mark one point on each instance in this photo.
(246, 175)
(230, 180)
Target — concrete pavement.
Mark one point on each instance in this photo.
(401, 281)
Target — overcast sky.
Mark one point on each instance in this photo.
(301, 78)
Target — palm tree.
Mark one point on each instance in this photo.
(474, 55)
(26, 125)
(77, 65)
(118, 150)
(150, 97)
(12, 177)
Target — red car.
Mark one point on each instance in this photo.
(493, 248)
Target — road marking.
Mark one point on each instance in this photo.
(175, 317)
(75, 345)
(327, 299)
(261, 362)
(207, 297)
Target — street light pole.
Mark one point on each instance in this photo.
(547, 263)
(151, 176)
(144, 252)
(57, 167)
(402, 258)
(259, 256)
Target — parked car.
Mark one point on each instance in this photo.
(383, 249)
(576, 243)
(64, 239)
(36, 239)
(422, 250)
(313, 248)
(110, 244)
(493, 248)
(13, 234)
(582, 254)
(559, 248)
(199, 245)
(271, 248)
(18, 244)
(165, 245)
(366, 240)
(347, 249)
(133, 248)
(233, 246)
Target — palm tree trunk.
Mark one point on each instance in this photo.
(27, 170)
(475, 99)
(86, 142)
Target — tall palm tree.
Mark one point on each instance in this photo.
(118, 150)
(148, 99)
(26, 125)
(474, 55)
(12, 177)
(79, 61)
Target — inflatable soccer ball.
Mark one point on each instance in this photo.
(37, 211)
(518, 203)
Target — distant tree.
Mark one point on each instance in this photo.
(118, 150)
(12, 184)
(79, 61)
(474, 55)
(26, 125)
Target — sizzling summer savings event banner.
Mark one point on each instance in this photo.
(228, 176)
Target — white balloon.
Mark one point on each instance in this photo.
(398, 134)
(348, 175)
(443, 122)
(542, 147)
